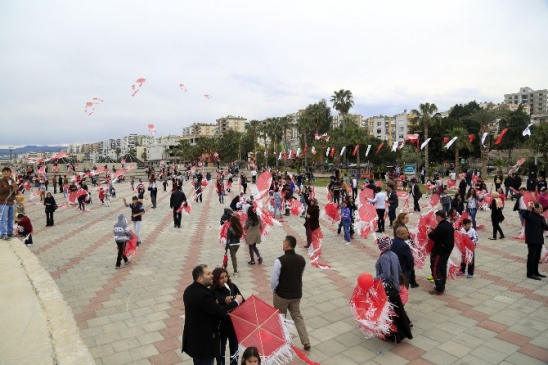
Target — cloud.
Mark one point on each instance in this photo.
(256, 59)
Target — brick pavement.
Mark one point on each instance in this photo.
(134, 315)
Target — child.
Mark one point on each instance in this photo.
(112, 191)
(251, 356)
(102, 196)
(287, 206)
(445, 200)
(471, 232)
(24, 228)
(404, 292)
(345, 220)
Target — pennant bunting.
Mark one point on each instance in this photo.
(470, 138)
(527, 131)
(425, 143)
(368, 149)
(394, 146)
(379, 148)
(355, 150)
(343, 150)
(483, 138)
(332, 154)
(451, 142)
(501, 135)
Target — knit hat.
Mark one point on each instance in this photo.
(384, 243)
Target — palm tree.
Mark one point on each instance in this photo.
(424, 116)
(462, 143)
(253, 130)
(342, 102)
(486, 118)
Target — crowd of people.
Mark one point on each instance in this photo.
(213, 294)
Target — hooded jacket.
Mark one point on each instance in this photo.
(121, 229)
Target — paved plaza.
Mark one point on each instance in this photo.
(135, 315)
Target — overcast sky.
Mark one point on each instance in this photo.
(256, 58)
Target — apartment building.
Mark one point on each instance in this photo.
(199, 130)
(536, 99)
(231, 122)
(356, 119)
(390, 129)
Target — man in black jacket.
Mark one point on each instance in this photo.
(403, 251)
(535, 225)
(287, 284)
(416, 193)
(177, 199)
(202, 318)
(444, 241)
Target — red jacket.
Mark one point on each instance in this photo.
(26, 224)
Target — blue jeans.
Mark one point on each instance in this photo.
(472, 212)
(6, 219)
(346, 225)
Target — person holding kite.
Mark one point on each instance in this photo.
(388, 270)
(122, 234)
(535, 225)
(286, 283)
(224, 291)
(202, 317)
(444, 241)
(234, 233)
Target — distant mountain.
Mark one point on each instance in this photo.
(26, 149)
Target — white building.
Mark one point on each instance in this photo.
(390, 129)
(536, 99)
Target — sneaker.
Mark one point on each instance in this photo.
(3, 237)
(251, 263)
(29, 244)
(8, 237)
(307, 347)
(139, 243)
(260, 260)
(128, 261)
(431, 278)
(469, 276)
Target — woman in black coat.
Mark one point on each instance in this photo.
(535, 225)
(224, 290)
(51, 206)
(496, 216)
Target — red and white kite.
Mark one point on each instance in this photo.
(90, 105)
(207, 96)
(152, 129)
(183, 87)
(137, 86)
(371, 308)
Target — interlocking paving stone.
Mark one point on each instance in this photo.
(133, 315)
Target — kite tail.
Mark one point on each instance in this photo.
(302, 356)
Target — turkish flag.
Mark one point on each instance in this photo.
(355, 150)
(470, 137)
(332, 153)
(445, 139)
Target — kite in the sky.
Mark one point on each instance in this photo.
(207, 96)
(183, 87)
(90, 105)
(152, 129)
(137, 86)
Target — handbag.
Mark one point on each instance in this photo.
(501, 218)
